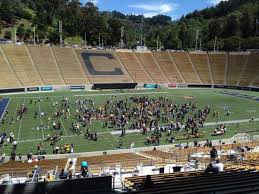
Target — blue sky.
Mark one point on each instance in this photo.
(173, 8)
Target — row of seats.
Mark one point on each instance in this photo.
(232, 181)
(34, 66)
(96, 163)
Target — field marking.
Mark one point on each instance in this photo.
(20, 125)
(230, 122)
(122, 94)
(5, 108)
(41, 123)
(106, 94)
(60, 118)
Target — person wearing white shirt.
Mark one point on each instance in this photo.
(219, 166)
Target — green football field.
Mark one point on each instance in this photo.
(29, 134)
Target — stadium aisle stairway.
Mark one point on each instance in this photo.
(168, 67)
(200, 61)
(218, 63)
(103, 67)
(135, 69)
(185, 66)
(8, 76)
(236, 63)
(20, 60)
(45, 63)
(70, 67)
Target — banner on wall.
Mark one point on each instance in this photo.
(172, 85)
(33, 89)
(46, 88)
(182, 85)
(77, 87)
(151, 86)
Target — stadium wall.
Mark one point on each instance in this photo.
(98, 185)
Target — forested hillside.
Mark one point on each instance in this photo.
(233, 22)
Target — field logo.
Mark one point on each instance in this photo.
(90, 66)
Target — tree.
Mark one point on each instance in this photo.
(247, 24)
(20, 32)
(232, 43)
(232, 26)
(7, 35)
(215, 29)
(183, 34)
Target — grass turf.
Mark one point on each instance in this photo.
(29, 136)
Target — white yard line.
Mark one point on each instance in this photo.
(107, 94)
(20, 125)
(5, 108)
(41, 123)
(60, 118)
(230, 122)
(122, 94)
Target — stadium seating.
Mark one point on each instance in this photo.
(8, 76)
(151, 66)
(168, 67)
(185, 66)
(19, 58)
(236, 63)
(103, 67)
(45, 63)
(201, 63)
(218, 63)
(251, 71)
(134, 68)
(70, 67)
(18, 168)
(233, 181)
(127, 161)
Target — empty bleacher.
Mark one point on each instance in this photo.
(103, 67)
(200, 61)
(45, 63)
(251, 71)
(236, 62)
(8, 77)
(168, 67)
(127, 161)
(232, 181)
(185, 66)
(71, 69)
(218, 63)
(151, 66)
(21, 62)
(18, 168)
(134, 68)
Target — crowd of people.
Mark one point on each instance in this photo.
(154, 117)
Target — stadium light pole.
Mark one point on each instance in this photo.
(122, 36)
(60, 33)
(256, 26)
(215, 43)
(196, 41)
(157, 43)
(85, 39)
(99, 40)
(34, 37)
